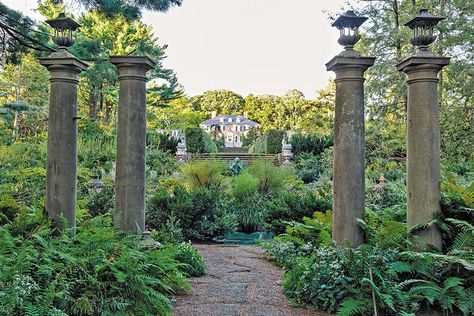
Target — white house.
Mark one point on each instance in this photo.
(231, 127)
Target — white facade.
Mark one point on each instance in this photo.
(232, 127)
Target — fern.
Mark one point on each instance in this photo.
(97, 272)
(352, 307)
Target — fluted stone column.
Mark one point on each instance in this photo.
(423, 143)
(131, 142)
(61, 171)
(349, 148)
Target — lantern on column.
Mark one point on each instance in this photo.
(95, 185)
(63, 29)
(348, 24)
(423, 29)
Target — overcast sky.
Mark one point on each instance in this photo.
(248, 46)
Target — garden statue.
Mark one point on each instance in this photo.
(181, 151)
(236, 166)
(381, 185)
(287, 150)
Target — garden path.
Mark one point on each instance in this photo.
(239, 282)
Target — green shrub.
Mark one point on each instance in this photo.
(98, 272)
(271, 179)
(9, 209)
(102, 202)
(199, 212)
(243, 186)
(194, 140)
(260, 145)
(203, 174)
(292, 206)
(170, 232)
(315, 230)
(209, 145)
(185, 253)
(23, 172)
(249, 212)
(92, 129)
(274, 140)
(269, 143)
(96, 153)
(159, 164)
(310, 143)
(198, 141)
(308, 167)
(349, 280)
(161, 141)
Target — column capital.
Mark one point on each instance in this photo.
(132, 67)
(349, 68)
(63, 66)
(422, 68)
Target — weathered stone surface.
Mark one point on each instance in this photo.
(423, 143)
(131, 142)
(61, 182)
(349, 148)
(239, 281)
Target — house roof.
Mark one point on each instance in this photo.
(217, 121)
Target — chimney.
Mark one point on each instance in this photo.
(246, 114)
(213, 114)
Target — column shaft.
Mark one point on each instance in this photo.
(349, 149)
(423, 144)
(131, 143)
(60, 201)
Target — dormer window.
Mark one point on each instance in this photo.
(229, 120)
(238, 120)
(221, 120)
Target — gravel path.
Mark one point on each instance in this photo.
(239, 282)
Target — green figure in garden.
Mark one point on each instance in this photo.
(236, 166)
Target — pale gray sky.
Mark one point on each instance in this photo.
(248, 46)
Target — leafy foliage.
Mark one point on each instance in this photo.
(97, 272)
(203, 174)
(198, 141)
(198, 213)
(310, 143)
(188, 255)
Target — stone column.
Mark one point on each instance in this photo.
(423, 143)
(131, 142)
(349, 148)
(61, 183)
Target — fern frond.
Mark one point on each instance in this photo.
(402, 267)
(352, 307)
(463, 226)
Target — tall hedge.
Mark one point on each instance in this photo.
(260, 145)
(269, 143)
(275, 136)
(310, 143)
(198, 141)
(209, 145)
(162, 141)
